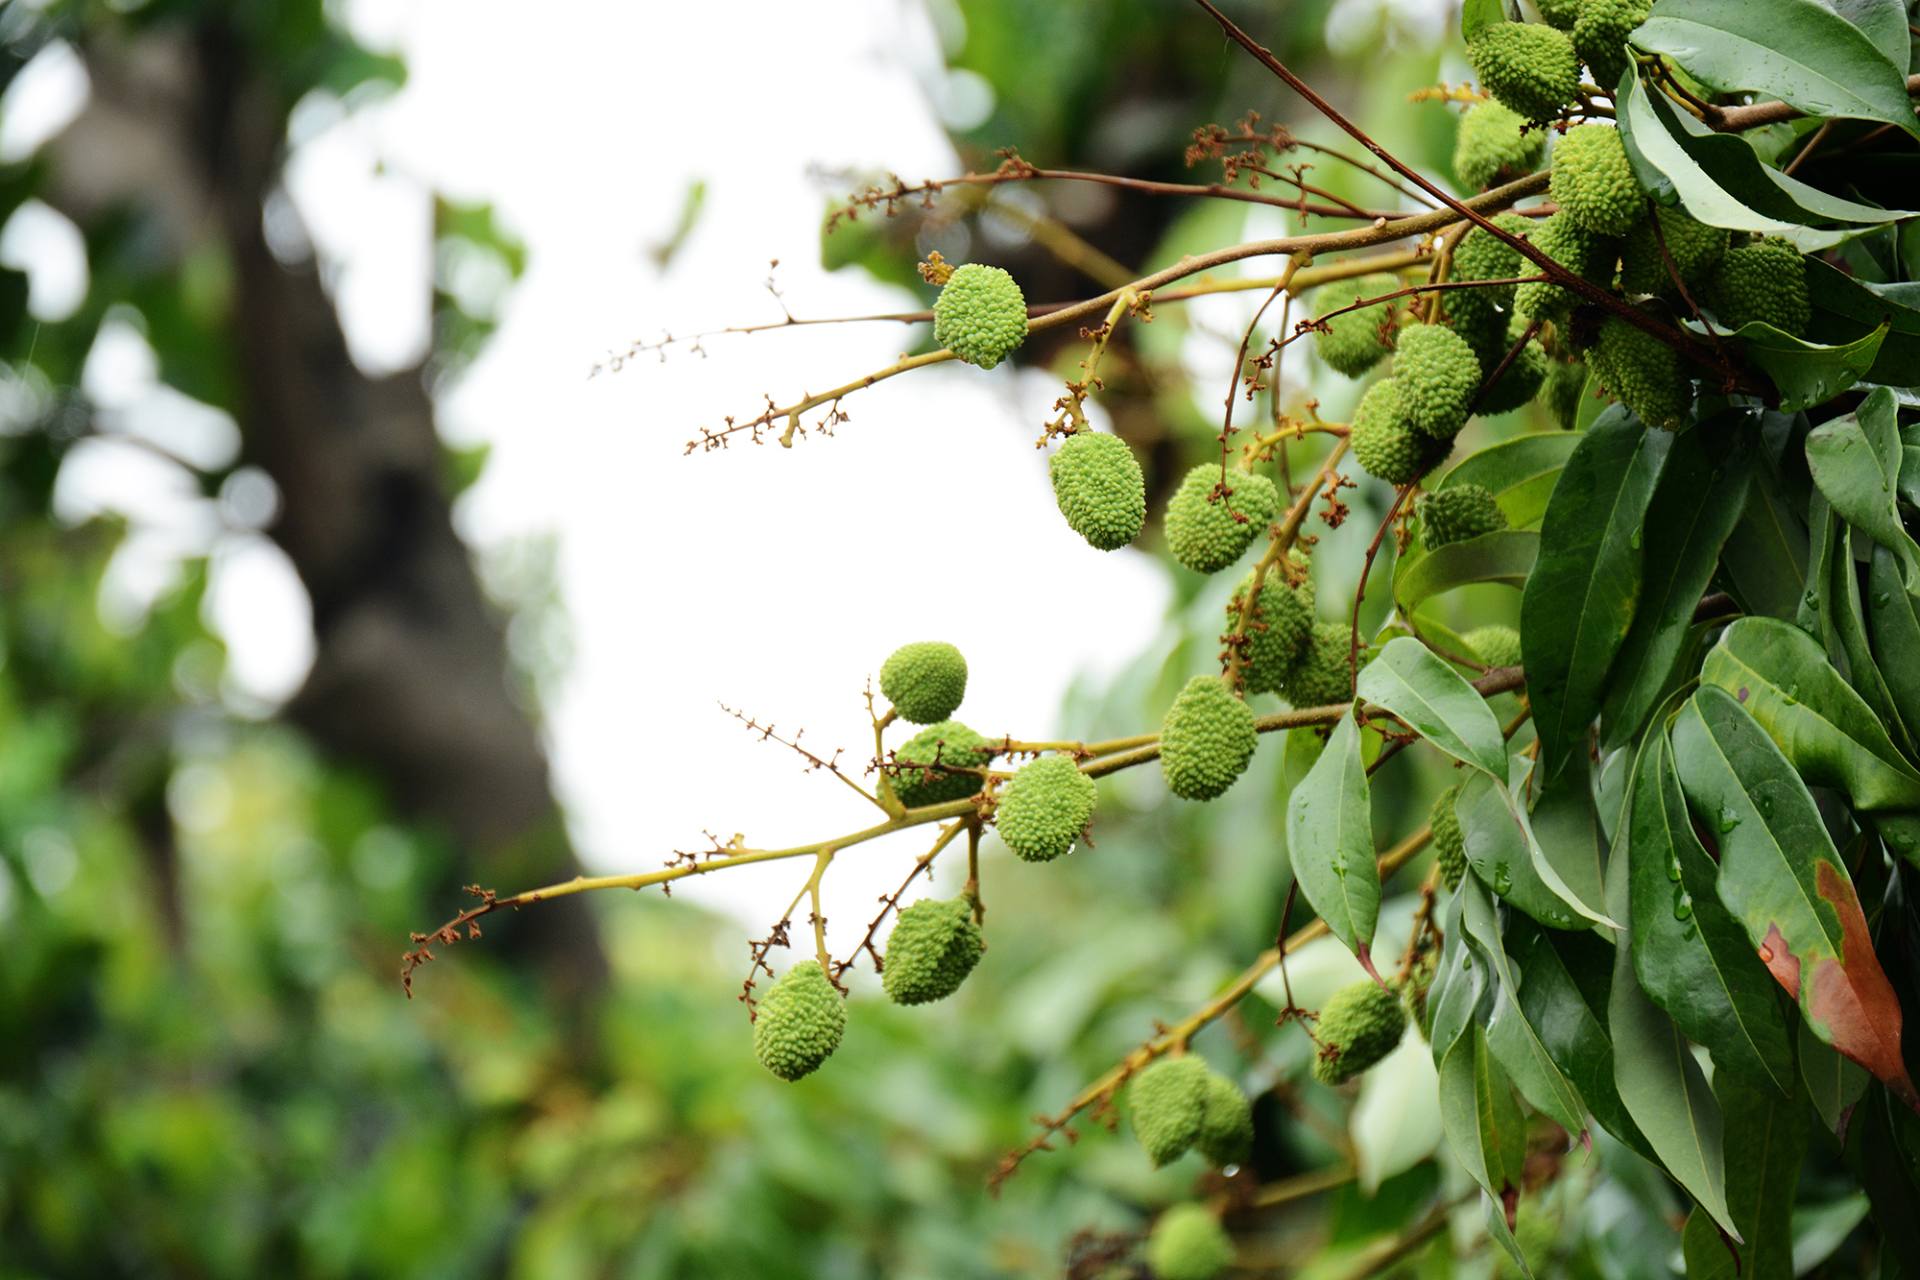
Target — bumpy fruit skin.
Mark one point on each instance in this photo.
(1100, 489)
(1762, 281)
(1449, 846)
(1600, 37)
(1045, 807)
(934, 946)
(1169, 1101)
(1188, 1243)
(1276, 630)
(1531, 69)
(1323, 675)
(1490, 147)
(1559, 13)
(1693, 246)
(1496, 644)
(924, 681)
(1456, 514)
(1354, 341)
(1438, 374)
(1573, 247)
(1204, 535)
(980, 315)
(1524, 373)
(1384, 445)
(1566, 383)
(1360, 1025)
(1206, 739)
(1226, 1122)
(799, 1022)
(1643, 373)
(918, 782)
(1480, 256)
(1593, 182)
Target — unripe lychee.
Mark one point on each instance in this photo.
(1100, 488)
(1559, 13)
(1045, 807)
(799, 1022)
(1593, 181)
(1643, 373)
(1358, 1026)
(923, 762)
(1208, 533)
(1226, 1122)
(1573, 247)
(1566, 383)
(1276, 630)
(1354, 341)
(1324, 675)
(1495, 644)
(1521, 379)
(1188, 1243)
(1384, 443)
(1693, 246)
(1531, 69)
(924, 681)
(934, 945)
(1766, 281)
(1458, 513)
(1206, 739)
(1169, 1102)
(1600, 37)
(1492, 147)
(1449, 845)
(1438, 374)
(980, 315)
(1482, 256)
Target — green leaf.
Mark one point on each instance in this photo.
(1893, 618)
(1579, 601)
(1660, 1084)
(1764, 1151)
(1767, 554)
(1564, 983)
(1519, 473)
(1566, 830)
(1475, 14)
(1330, 841)
(1850, 632)
(1485, 1129)
(1845, 308)
(1691, 957)
(1783, 880)
(1692, 514)
(1506, 858)
(1782, 678)
(1807, 373)
(1512, 1038)
(1505, 556)
(1884, 22)
(1834, 1084)
(1856, 462)
(1436, 702)
(1459, 990)
(1721, 181)
(1795, 50)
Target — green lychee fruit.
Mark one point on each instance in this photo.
(1324, 676)
(1693, 246)
(1045, 807)
(1208, 533)
(1495, 644)
(1188, 1243)
(1457, 513)
(1766, 281)
(1492, 147)
(1524, 373)
(1169, 1102)
(1482, 256)
(1226, 1122)
(934, 945)
(1354, 341)
(1276, 630)
(1530, 69)
(1600, 37)
(1449, 845)
(1438, 374)
(1573, 247)
(1100, 488)
(924, 681)
(980, 315)
(1559, 13)
(1593, 181)
(799, 1022)
(1359, 1025)
(1206, 739)
(1643, 373)
(1384, 444)
(923, 761)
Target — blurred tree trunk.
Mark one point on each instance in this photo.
(410, 679)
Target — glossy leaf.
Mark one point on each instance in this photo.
(1505, 556)
(1692, 514)
(1484, 1127)
(1566, 830)
(1783, 880)
(1579, 601)
(1806, 373)
(1850, 633)
(1764, 1150)
(1691, 956)
(1796, 50)
(1504, 856)
(1835, 1084)
(1514, 1041)
(1459, 990)
(1782, 678)
(1330, 841)
(1845, 308)
(1660, 1084)
(1893, 618)
(1767, 554)
(1856, 462)
(1884, 22)
(1564, 983)
(1436, 702)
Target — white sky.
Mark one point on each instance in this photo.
(768, 579)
